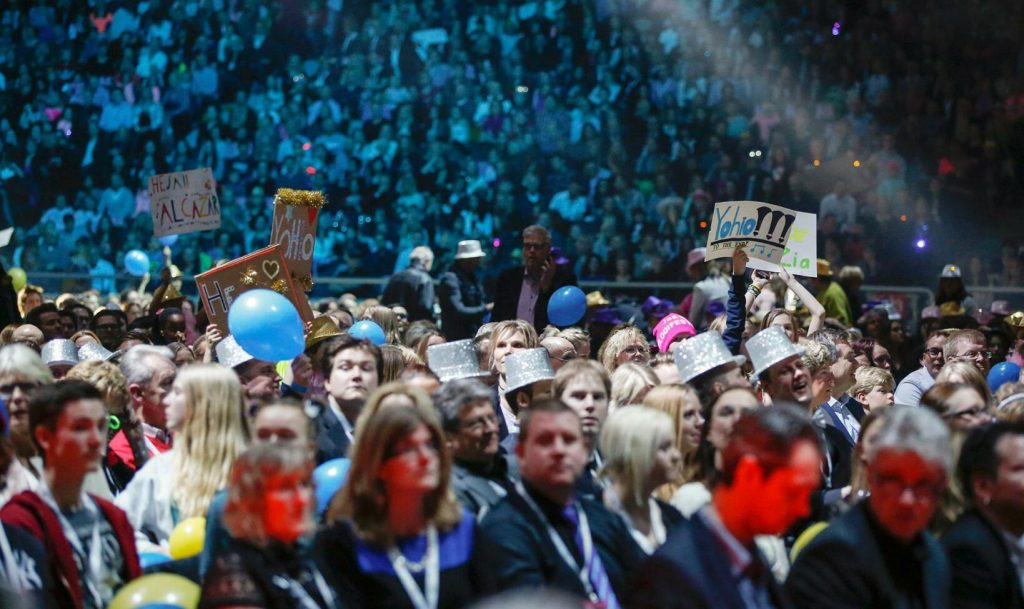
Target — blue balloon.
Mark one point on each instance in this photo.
(328, 478)
(136, 262)
(367, 329)
(168, 240)
(1002, 373)
(266, 325)
(567, 306)
(148, 559)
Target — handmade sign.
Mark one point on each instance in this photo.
(265, 268)
(801, 254)
(294, 228)
(762, 229)
(184, 202)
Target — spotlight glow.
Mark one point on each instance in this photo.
(920, 244)
(836, 27)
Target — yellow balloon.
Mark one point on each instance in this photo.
(187, 538)
(157, 589)
(18, 278)
(805, 538)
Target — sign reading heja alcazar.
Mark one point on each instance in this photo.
(761, 229)
(184, 202)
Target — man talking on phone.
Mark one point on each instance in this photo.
(523, 292)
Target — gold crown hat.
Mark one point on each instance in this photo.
(93, 351)
(171, 294)
(323, 328)
(703, 353)
(769, 347)
(526, 367)
(59, 351)
(597, 299)
(454, 360)
(230, 353)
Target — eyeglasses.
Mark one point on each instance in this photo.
(481, 423)
(532, 245)
(968, 413)
(975, 355)
(894, 486)
(935, 352)
(635, 349)
(7, 390)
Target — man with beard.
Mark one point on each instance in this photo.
(481, 474)
(523, 292)
(461, 293)
(351, 368)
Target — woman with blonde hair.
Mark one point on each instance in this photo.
(206, 418)
(681, 404)
(269, 510)
(508, 337)
(640, 455)
(626, 343)
(386, 319)
(965, 373)
(1010, 402)
(395, 393)
(630, 383)
(396, 510)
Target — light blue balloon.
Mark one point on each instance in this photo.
(136, 262)
(148, 559)
(567, 306)
(266, 325)
(368, 330)
(328, 478)
(168, 240)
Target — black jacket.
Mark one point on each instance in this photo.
(519, 553)
(413, 289)
(331, 440)
(690, 570)
(474, 486)
(851, 564)
(984, 576)
(510, 283)
(463, 305)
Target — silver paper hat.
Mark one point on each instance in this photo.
(528, 366)
(93, 351)
(230, 353)
(703, 353)
(60, 351)
(769, 347)
(454, 360)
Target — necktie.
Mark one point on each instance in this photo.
(595, 569)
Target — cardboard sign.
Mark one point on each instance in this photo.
(184, 202)
(265, 268)
(801, 254)
(294, 228)
(762, 229)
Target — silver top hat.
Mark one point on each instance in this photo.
(93, 351)
(230, 353)
(469, 249)
(454, 360)
(60, 351)
(703, 353)
(769, 347)
(528, 366)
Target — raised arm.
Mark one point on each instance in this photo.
(817, 311)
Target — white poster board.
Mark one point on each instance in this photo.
(761, 229)
(801, 254)
(184, 202)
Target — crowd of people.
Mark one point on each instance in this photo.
(739, 459)
(613, 123)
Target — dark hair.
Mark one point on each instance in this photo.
(767, 434)
(548, 406)
(978, 454)
(343, 341)
(47, 402)
(118, 313)
(69, 314)
(33, 316)
(704, 384)
(866, 347)
(454, 396)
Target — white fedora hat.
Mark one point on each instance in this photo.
(469, 249)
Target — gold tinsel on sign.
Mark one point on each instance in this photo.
(249, 277)
(300, 198)
(280, 286)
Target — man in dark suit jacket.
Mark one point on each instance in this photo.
(351, 368)
(879, 554)
(979, 544)
(537, 535)
(523, 292)
(413, 288)
(711, 562)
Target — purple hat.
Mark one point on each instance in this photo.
(656, 307)
(607, 315)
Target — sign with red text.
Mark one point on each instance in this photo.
(294, 229)
(266, 268)
(184, 202)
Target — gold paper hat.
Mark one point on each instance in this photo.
(597, 299)
(323, 328)
(170, 295)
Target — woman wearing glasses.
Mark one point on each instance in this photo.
(21, 370)
(397, 537)
(625, 344)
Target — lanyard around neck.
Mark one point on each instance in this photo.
(431, 577)
(583, 571)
